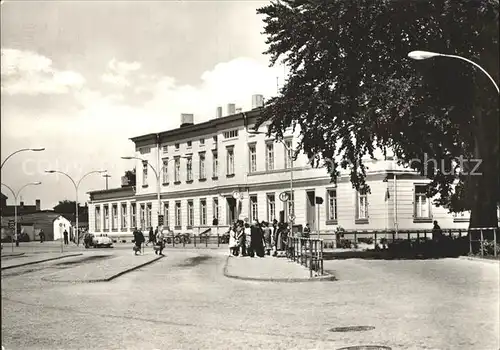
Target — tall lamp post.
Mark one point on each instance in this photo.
(22, 150)
(423, 55)
(76, 184)
(291, 216)
(16, 195)
(158, 186)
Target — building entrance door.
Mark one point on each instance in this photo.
(231, 210)
(311, 210)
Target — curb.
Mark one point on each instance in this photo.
(11, 255)
(326, 277)
(488, 261)
(105, 279)
(40, 261)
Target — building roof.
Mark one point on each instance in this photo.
(118, 192)
(3, 196)
(208, 127)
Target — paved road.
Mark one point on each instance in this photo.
(184, 302)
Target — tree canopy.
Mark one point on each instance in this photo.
(130, 175)
(352, 89)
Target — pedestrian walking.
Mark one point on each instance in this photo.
(436, 231)
(306, 233)
(151, 237)
(42, 236)
(65, 235)
(160, 242)
(138, 240)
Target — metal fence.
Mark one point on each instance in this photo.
(481, 240)
(308, 252)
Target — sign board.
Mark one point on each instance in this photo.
(292, 217)
(284, 196)
(61, 224)
(236, 195)
(319, 200)
(12, 224)
(160, 220)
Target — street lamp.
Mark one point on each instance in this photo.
(76, 184)
(157, 174)
(423, 55)
(291, 216)
(16, 195)
(22, 150)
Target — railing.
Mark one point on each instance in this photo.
(479, 238)
(308, 252)
(204, 236)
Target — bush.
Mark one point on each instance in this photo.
(489, 248)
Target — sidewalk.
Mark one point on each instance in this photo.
(269, 269)
(478, 259)
(105, 271)
(29, 259)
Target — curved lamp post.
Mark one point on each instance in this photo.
(22, 150)
(157, 175)
(76, 184)
(16, 195)
(423, 55)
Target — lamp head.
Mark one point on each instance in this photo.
(50, 171)
(127, 158)
(37, 149)
(36, 183)
(422, 55)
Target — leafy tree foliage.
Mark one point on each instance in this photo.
(130, 175)
(352, 89)
(68, 207)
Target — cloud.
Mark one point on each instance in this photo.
(97, 134)
(119, 72)
(28, 73)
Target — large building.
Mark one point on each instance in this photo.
(200, 167)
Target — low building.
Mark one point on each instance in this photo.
(32, 223)
(217, 169)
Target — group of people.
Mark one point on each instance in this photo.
(157, 238)
(257, 238)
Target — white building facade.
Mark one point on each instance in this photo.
(200, 166)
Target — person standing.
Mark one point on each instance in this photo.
(65, 235)
(160, 242)
(436, 231)
(233, 241)
(42, 236)
(248, 240)
(257, 240)
(307, 231)
(151, 237)
(267, 237)
(138, 240)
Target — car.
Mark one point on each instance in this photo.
(101, 240)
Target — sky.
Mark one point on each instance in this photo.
(82, 77)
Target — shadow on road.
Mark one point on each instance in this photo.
(195, 261)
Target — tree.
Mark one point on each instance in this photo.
(68, 207)
(352, 89)
(130, 175)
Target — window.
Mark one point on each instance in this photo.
(145, 150)
(254, 212)
(133, 215)
(166, 215)
(288, 154)
(215, 164)
(145, 173)
(202, 166)
(331, 206)
(148, 215)
(114, 216)
(362, 205)
(189, 144)
(190, 214)
(165, 149)
(98, 218)
(230, 161)
(124, 216)
(177, 173)
(189, 168)
(143, 217)
(252, 154)
(165, 171)
(202, 142)
(203, 212)
(177, 146)
(215, 208)
(422, 203)
(106, 217)
(269, 156)
(289, 206)
(230, 134)
(271, 207)
(178, 215)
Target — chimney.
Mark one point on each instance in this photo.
(37, 205)
(257, 101)
(187, 119)
(238, 110)
(125, 181)
(21, 204)
(218, 113)
(231, 109)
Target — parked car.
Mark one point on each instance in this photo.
(102, 240)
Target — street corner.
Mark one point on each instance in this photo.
(270, 269)
(105, 270)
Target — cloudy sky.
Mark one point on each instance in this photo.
(81, 77)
